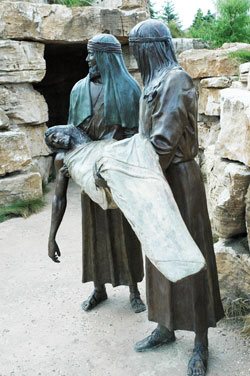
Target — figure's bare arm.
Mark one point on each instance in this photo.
(59, 204)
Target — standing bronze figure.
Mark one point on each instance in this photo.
(168, 117)
(104, 105)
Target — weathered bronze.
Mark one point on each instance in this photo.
(105, 104)
(168, 117)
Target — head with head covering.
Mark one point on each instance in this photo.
(153, 48)
(121, 91)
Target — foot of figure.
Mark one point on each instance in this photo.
(97, 296)
(159, 337)
(197, 365)
(137, 304)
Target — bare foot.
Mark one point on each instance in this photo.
(137, 304)
(94, 299)
(197, 365)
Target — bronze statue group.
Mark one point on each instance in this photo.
(108, 105)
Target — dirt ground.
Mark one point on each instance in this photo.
(45, 332)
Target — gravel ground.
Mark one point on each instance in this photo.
(45, 332)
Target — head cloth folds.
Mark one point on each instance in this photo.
(104, 47)
(121, 91)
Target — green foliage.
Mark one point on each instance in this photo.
(232, 23)
(168, 13)
(21, 209)
(153, 13)
(242, 56)
(73, 3)
(175, 30)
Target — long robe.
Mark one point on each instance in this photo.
(168, 118)
(111, 252)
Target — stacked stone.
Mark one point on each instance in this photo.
(224, 151)
(24, 156)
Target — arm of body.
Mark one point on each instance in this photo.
(171, 114)
(59, 204)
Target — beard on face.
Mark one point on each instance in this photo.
(94, 72)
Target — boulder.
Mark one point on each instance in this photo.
(14, 152)
(247, 200)
(209, 102)
(233, 263)
(25, 186)
(234, 138)
(35, 139)
(216, 82)
(20, 61)
(227, 186)
(43, 165)
(57, 23)
(122, 4)
(211, 63)
(239, 85)
(248, 81)
(207, 134)
(23, 104)
(4, 120)
(184, 44)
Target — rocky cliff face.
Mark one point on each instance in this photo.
(42, 55)
(224, 144)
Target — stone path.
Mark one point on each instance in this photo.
(45, 332)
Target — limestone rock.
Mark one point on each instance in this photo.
(57, 23)
(211, 63)
(20, 61)
(248, 81)
(247, 200)
(234, 137)
(25, 186)
(244, 68)
(35, 139)
(23, 104)
(227, 186)
(4, 120)
(184, 44)
(239, 85)
(122, 4)
(216, 82)
(43, 165)
(14, 152)
(209, 102)
(233, 263)
(207, 134)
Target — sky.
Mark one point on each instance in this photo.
(186, 9)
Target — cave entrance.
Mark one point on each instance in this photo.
(65, 65)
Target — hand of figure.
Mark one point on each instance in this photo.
(64, 171)
(54, 251)
(99, 181)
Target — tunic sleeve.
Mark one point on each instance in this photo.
(170, 114)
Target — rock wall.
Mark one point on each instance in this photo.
(224, 156)
(42, 53)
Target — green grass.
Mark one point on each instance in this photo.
(21, 209)
(242, 56)
(74, 3)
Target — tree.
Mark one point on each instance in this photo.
(168, 13)
(232, 23)
(153, 13)
(168, 16)
(198, 19)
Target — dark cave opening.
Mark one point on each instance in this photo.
(65, 65)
